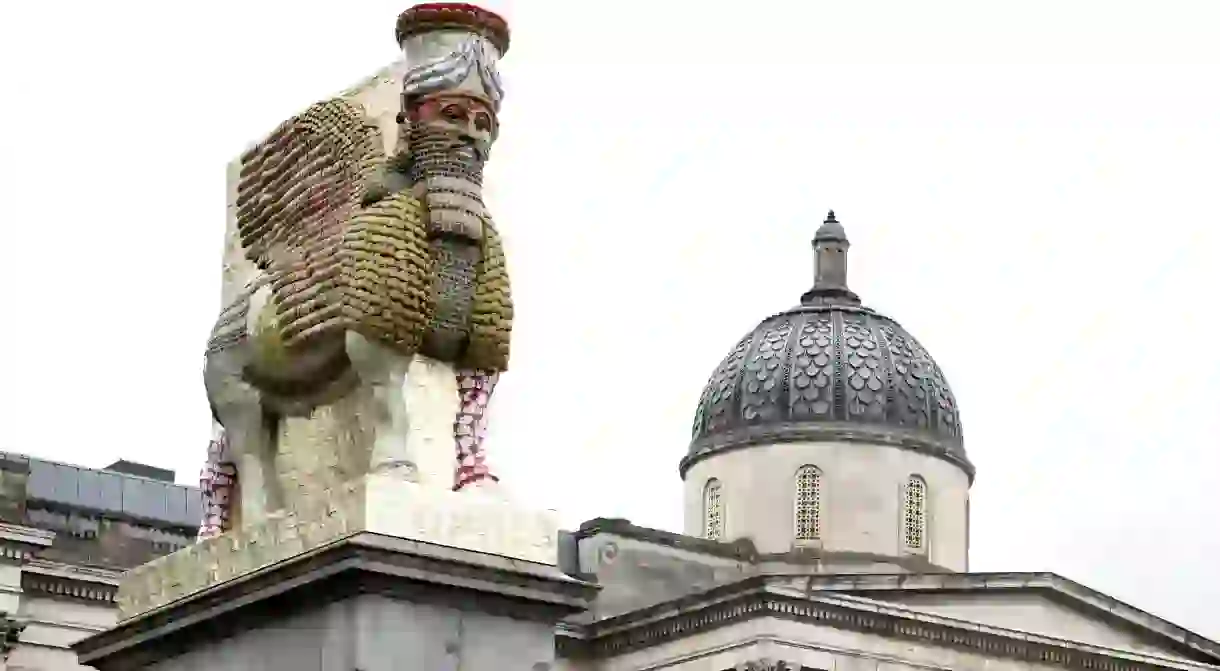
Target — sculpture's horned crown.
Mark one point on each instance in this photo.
(452, 47)
(436, 16)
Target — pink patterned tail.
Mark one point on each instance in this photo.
(218, 481)
(470, 426)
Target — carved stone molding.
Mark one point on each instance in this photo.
(18, 543)
(14, 553)
(65, 587)
(767, 665)
(720, 607)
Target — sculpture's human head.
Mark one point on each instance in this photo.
(471, 119)
(451, 88)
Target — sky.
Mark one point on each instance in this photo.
(1029, 188)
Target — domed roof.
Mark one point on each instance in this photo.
(828, 369)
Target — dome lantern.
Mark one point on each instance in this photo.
(830, 247)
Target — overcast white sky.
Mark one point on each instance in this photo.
(1029, 187)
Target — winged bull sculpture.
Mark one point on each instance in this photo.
(354, 262)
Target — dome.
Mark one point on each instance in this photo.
(828, 370)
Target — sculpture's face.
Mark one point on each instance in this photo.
(462, 113)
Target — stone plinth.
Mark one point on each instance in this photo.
(383, 575)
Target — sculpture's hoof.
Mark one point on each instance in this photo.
(484, 487)
(403, 470)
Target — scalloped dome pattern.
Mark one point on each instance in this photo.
(822, 370)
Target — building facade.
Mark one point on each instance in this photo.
(66, 535)
(827, 526)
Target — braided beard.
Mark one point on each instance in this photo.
(450, 171)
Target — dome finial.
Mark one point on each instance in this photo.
(830, 230)
(830, 247)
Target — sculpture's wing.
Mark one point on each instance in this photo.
(295, 192)
(310, 172)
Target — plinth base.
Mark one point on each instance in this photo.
(371, 599)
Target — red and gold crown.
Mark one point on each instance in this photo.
(434, 16)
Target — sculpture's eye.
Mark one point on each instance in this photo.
(482, 121)
(453, 113)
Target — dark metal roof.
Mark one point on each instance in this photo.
(142, 470)
(112, 493)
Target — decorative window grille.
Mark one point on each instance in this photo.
(808, 512)
(915, 513)
(713, 511)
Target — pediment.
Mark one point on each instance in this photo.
(1037, 603)
(1038, 619)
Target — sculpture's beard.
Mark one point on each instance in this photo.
(440, 151)
(449, 167)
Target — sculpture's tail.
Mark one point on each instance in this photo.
(218, 480)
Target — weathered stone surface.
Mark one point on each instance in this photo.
(375, 633)
(366, 601)
(378, 504)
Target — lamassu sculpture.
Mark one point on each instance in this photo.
(356, 267)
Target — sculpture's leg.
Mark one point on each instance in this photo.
(248, 440)
(470, 427)
(385, 372)
(253, 451)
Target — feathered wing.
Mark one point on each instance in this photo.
(296, 192)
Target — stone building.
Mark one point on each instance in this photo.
(827, 526)
(66, 535)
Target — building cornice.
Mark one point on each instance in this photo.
(1055, 586)
(767, 664)
(19, 533)
(19, 543)
(743, 549)
(756, 598)
(61, 569)
(15, 553)
(825, 432)
(62, 580)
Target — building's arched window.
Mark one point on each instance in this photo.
(915, 514)
(808, 503)
(713, 511)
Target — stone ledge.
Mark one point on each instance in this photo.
(473, 521)
(363, 563)
(760, 597)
